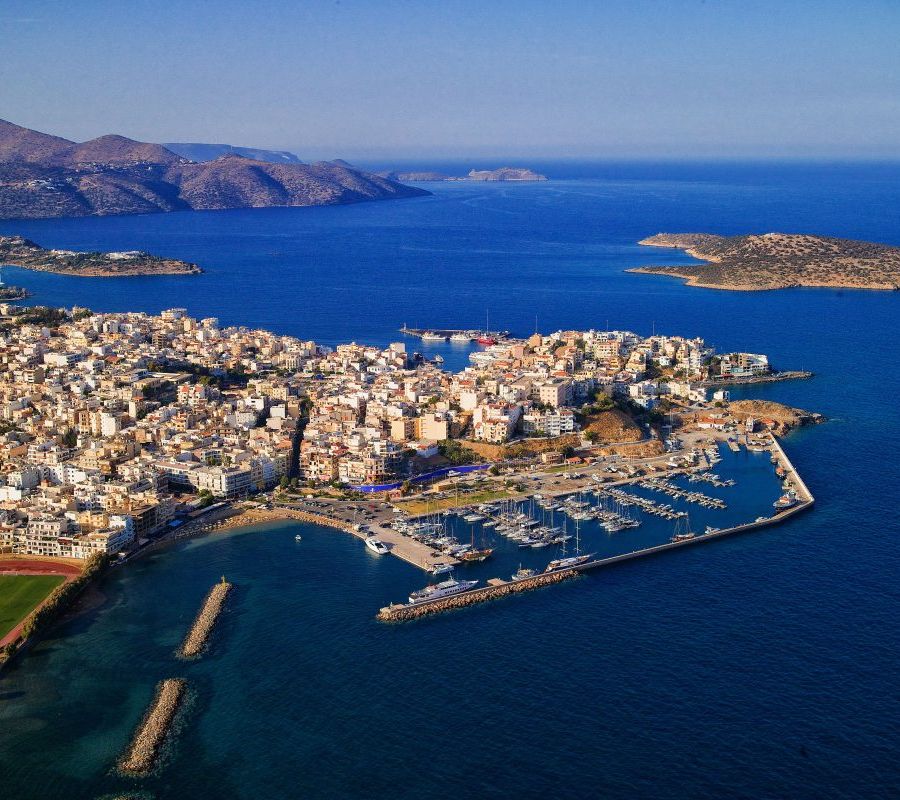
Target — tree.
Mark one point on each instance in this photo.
(406, 488)
(284, 483)
(70, 438)
(592, 436)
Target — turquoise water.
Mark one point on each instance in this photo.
(760, 666)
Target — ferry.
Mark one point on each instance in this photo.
(566, 563)
(377, 546)
(443, 589)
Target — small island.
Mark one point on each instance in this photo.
(520, 174)
(17, 251)
(779, 261)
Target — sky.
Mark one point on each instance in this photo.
(444, 78)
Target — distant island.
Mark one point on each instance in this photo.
(500, 174)
(779, 261)
(199, 151)
(46, 176)
(17, 251)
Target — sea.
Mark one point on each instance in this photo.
(761, 666)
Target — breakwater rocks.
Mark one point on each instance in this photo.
(150, 735)
(206, 619)
(403, 613)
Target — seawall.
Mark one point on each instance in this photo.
(148, 738)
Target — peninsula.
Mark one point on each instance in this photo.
(46, 176)
(779, 261)
(501, 174)
(17, 251)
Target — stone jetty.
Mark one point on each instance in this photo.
(403, 613)
(206, 619)
(149, 737)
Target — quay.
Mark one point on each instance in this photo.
(409, 550)
(457, 334)
(148, 738)
(206, 619)
(497, 588)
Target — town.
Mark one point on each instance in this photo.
(115, 426)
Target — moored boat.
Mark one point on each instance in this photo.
(443, 589)
(377, 546)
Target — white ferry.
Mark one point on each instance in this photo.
(377, 546)
(443, 589)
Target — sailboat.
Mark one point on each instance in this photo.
(475, 554)
(683, 531)
(572, 561)
(486, 338)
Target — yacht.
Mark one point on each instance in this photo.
(460, 337)
(298, 538)
(442, 589)
(440, 568)
(430, 336)
(377, 546)
(682, 537)
(566, 563)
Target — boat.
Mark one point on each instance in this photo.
(522, 573)
(786, 501)
(430, 336)
(440, 568)
(566, 563)
(298, 538)
(460, 337)
(486, 340)
(443, 589)
(682, 537)
(476, 555)
(377, 546)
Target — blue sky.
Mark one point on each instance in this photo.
(684, 79)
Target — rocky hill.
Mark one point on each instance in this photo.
(780, 260)
(46, 176)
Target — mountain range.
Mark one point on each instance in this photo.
(48, 176)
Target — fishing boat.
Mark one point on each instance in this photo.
(443, 589)
(377, 546)
(522, 573)
(786, 501)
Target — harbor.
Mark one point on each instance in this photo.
(795, 498)
(457, 335)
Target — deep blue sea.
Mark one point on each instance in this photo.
(764, 666)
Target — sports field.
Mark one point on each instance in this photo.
(19, 594)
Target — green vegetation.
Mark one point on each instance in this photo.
(455, 452)
(19, 594)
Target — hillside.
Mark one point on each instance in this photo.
(779, 260)
(47, 176)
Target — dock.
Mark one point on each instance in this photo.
(498, 588)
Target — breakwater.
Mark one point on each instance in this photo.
(403, 613)
(206, 619)
(148, 738)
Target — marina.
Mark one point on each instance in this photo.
(568, 565)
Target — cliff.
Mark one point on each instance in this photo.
(779, 260)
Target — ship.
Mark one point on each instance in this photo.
(431, 336)
(444, 589)
(461, 337)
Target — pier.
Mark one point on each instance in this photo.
(206, 619)
(498, 588)
(152, 732)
